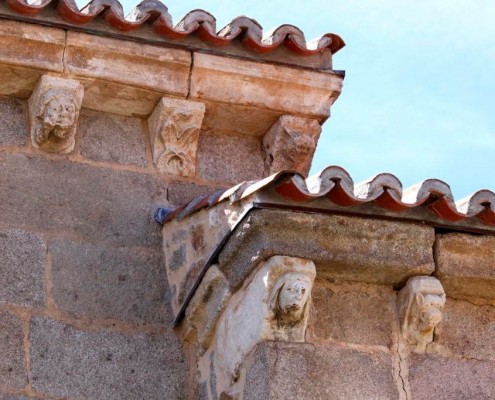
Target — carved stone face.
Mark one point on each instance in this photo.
(294, 295)
(430, 306)
(58, 117)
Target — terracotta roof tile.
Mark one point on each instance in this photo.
(199, 22)
(335, 185)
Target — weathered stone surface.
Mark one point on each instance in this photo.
(272, 305)
(174, 132)
(126, 62)
(352, 313)
(109, 365)
(22, 268)
(107, 282)
(13, 130)
(290, 144)
(101, 204)
(302, 371)
(112, 138)
(442, 378)
(229, 159)
(276, 87)
(31, 45)
(54, 112)
(466, 264)
(467, 330)
(13, 373)
(420, 305)
(349, 248)
(205, 308)
(180, 193)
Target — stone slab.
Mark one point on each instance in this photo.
(357, 314)
(230, 159)
(467, 330)
(266, 86)
(281, 370)
(466, 264)
(13, 129)
(13, 374)
(66, 362)
(347, 248)
(443, 378)
(30, 45)
(22, 268)
(126, 62)
(105, 282)
(112, 138)
(101, 204)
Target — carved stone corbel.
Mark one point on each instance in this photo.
(174, 129)
(272, 305)
(290, 144)
(53, 113)
(420, 310)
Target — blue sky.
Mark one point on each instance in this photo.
(419, 94)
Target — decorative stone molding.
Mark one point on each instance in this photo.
(53, 113)
(290, 144)
(420, 309)
(272, 305)
(205, 308)
(174, 129)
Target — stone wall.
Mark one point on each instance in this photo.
(355, 344)
(355, 349)
(84, 299)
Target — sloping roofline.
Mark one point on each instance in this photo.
(333, 190)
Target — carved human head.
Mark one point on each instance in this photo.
(294, 294)
(290, 295)
(58, 114)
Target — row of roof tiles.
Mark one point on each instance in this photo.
(336, 185)
(198, 22)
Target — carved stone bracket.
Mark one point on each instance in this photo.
(174, 129)
(53, 113)
(420, 305)
(272, 305)
(290, 144)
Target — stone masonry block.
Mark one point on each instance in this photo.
(290, 144)
(13, 374)
(264, 86)
(466, 264)
(31, 45)
(180, 193)
(100, 205)
(443, 378)
(141, 65)
(352, 313)
(230, 159)
(22, 268)
(281, 370)
(13, 130)
(66, 362)
(347, 248)
(105, 282)
(467, 330)
(112, 138)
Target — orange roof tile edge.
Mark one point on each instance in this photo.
(199, 22)
(335, 186)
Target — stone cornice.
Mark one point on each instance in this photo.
(129, 78)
